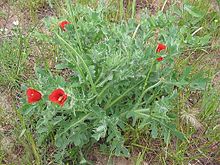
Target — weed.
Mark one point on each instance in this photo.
(117, 83)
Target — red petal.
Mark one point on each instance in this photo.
(63, 24)
(62, 101)
(160, 47)
(33, 95)
(58, 96)
(54, 96)
(159, 59)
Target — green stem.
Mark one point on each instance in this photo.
(19, 52)
(30, 138)
(77, 35)
(145, 84)
(145, 91)
(120, 97)
(103, 90)
(133, 9)
(77, 65)
(74, 124)
(148, 75)
(82, 60)
(121, 5)
(70, 9)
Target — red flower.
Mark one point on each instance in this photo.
(159, 59)
(33, 95)
(160, 47)
(58, 96)
(63, 24)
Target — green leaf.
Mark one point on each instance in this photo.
(166, 136)
(28, 108)
(205, 40)
(154, 131)
(100, 132)
(175, 132)
(193, 11)
(61, 66)
(60, 141)
(22, 133)
(199, 84)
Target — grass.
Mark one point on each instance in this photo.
(198, 112)
(11, 60)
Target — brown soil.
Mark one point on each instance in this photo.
(8, 140)
(8, 17)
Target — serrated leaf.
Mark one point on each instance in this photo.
(166, 136)
(100, 132)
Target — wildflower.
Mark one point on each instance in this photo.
(58, 96)
(33, 95)
(160, 47)
(63, 24)
(16, 23)
(4, 30)
(159, 59)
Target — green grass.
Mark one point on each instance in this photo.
(12, 59)
(197, 112)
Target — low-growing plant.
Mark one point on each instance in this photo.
(120, 76)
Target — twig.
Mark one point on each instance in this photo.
(164, 4)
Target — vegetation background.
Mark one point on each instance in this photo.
(198, 111)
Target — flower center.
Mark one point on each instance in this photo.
(60, 98)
